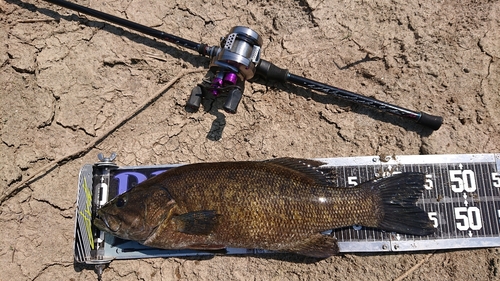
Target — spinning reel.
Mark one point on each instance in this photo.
(230, 65)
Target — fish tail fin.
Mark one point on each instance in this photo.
(399, 213)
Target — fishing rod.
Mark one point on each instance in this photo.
(238, 59)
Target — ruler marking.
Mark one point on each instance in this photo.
(485, 184)
(425, 207)
(447, 193)
(425, 193)
(444, 194)
(344, 235)
(436, 178)
(476, 200)
(369, 233)
(362, 177)
(496, 192)
(478, 171)
(470, 197)
(431, 191)
(496, 204)
(434, 194)
(353, 171)
(498, 218)
(342, 232)
(444, 190)
(459, 195)
(450, 207)
(338, 183)
(490, 196)
(350, 229)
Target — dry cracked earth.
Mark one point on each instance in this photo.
(68, 82)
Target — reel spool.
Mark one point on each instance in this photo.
(231, 64)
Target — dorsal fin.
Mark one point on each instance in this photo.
(307, 167)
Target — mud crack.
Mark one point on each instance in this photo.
(47, 266)
(75, 129)
(186, 9)
(61, 209)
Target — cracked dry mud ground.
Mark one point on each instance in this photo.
(67, 78)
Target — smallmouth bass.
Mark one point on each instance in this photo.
(282, 205)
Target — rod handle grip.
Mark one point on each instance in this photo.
(269, 70)
(431, 121)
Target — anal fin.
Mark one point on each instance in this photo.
(317, 246)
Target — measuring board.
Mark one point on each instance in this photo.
(461, 197)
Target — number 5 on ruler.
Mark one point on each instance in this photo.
(495, 177)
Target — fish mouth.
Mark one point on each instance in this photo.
(107, 223)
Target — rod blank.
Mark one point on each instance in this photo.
(129, 24)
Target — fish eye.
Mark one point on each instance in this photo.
(120, 202)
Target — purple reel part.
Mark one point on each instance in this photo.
(217, 83)
(223, 79)
(230, 78)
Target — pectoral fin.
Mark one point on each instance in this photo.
(196, 223)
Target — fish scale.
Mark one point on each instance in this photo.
(271, 195)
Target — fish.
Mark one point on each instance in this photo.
(282, 205)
